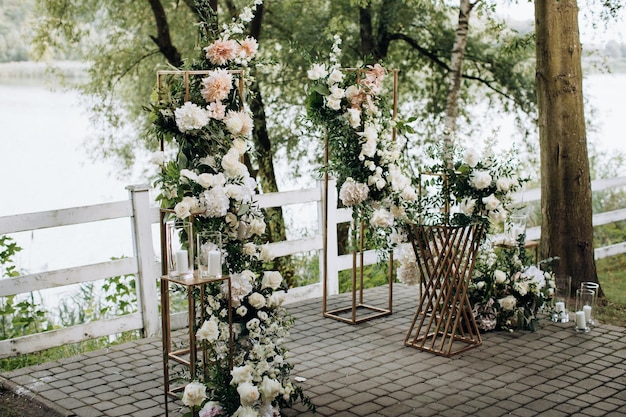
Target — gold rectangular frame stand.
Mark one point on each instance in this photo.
(356, 306)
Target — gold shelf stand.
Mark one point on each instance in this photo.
(444, 323)
(188, 355)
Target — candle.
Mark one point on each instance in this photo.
(581, 323)
(214, 263)
(182, 261)
(559, 307)
(587, 311)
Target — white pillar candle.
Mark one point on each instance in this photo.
(182, 261)
(581, 323)
(559, 307)
(214, 263)
(587, 311)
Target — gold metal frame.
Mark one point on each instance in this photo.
(357, 255)
(187, 356)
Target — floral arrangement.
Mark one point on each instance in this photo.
(476, 187)
(506, 290)
(364, 146)
(205, 120)
(473, 187)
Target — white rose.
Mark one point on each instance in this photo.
(249, 249)
(335, 76)
(354, 117)
(333, 103)
(382, 218)
(467, 206)
(266, 254)
(316, 72)
(497, 216)
(244, 411)
(158, 158)
(182, 209)
(504, 184)
(242, 310)
(508, 303)
(500, 276)
(270, 388)
(248, 393)
(471, 157)
(208, 331)
(256, 300)
(480, 285)
(271, 279)
(257, 226)
(480, 179)
(277, 298)
(241, 145)
(194, 394)
(241, 374)
(491, 202)
(186, 173)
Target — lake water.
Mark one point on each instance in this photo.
(44, 166)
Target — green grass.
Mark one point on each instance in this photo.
(612, 277)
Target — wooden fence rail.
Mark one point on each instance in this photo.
(143, 264)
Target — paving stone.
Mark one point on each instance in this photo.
(365, 370)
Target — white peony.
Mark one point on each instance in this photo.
(190, 117)
(504, 184)
(240, 286)
(353, 193)
(214, 202)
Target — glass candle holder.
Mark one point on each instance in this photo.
(584, 301)
(209, 248)
(595, 287)
(179, 250)
(562, 296)
(516, 227)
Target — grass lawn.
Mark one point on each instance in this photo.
(612, 277)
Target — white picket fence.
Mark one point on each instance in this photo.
(145, 267)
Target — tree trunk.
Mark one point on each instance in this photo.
(454, 78)
(566, 226)
(266, 173)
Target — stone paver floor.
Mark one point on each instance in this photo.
(365, 370)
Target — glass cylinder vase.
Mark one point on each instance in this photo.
(179, 246)
(210, 254)
(561, 302)
(595, 287)
(584, 302)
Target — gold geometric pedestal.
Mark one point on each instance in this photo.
(444, 323)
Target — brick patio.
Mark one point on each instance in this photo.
(365, 370)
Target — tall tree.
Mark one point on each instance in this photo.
(566, 227)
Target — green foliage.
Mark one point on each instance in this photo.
(14, 36)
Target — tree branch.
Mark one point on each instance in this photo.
(163, 40)
(435, 59)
